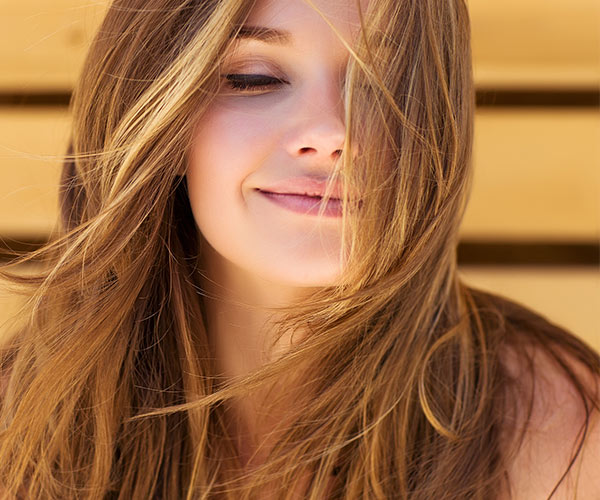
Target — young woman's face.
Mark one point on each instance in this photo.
(260, 152)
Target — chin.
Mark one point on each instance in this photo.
(305, 276)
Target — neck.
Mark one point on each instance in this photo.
(239, 317)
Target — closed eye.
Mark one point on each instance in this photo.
(243, 82)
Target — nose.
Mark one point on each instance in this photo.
(319, 130)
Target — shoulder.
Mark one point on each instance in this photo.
(556, 427)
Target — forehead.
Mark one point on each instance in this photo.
(299, 18)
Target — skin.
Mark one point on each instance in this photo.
(256, 255)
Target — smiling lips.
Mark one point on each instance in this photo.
(305, 204)
(304, 186)
(304, 194)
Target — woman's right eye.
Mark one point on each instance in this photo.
(252, 82)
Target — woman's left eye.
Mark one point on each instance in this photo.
(252, 82)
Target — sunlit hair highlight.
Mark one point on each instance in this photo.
(399, 386)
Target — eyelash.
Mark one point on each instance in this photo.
(243, 82)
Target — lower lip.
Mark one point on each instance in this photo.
(308, 205)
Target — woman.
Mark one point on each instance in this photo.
(254, 293)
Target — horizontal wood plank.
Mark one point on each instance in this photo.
(569, 297)
(536, 174)
(536, 43)
(43, 43)
(516, 44)
(30, 140)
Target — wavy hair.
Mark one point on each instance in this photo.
(110, 390)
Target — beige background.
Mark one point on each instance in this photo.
(537, 169)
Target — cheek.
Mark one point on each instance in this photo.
(217, 150)
(228, 149)
(228, 146)
(223, 154)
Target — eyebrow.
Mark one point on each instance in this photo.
(264, 34)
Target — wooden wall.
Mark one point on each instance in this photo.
(532, 228)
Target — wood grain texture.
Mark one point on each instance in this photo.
(31, 142)
(536, 43)
(569, 297)
(516, 44)
(43, 43)
(536, 174)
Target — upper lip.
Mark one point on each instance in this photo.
(306, 186)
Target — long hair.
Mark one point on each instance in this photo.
(110, 390)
